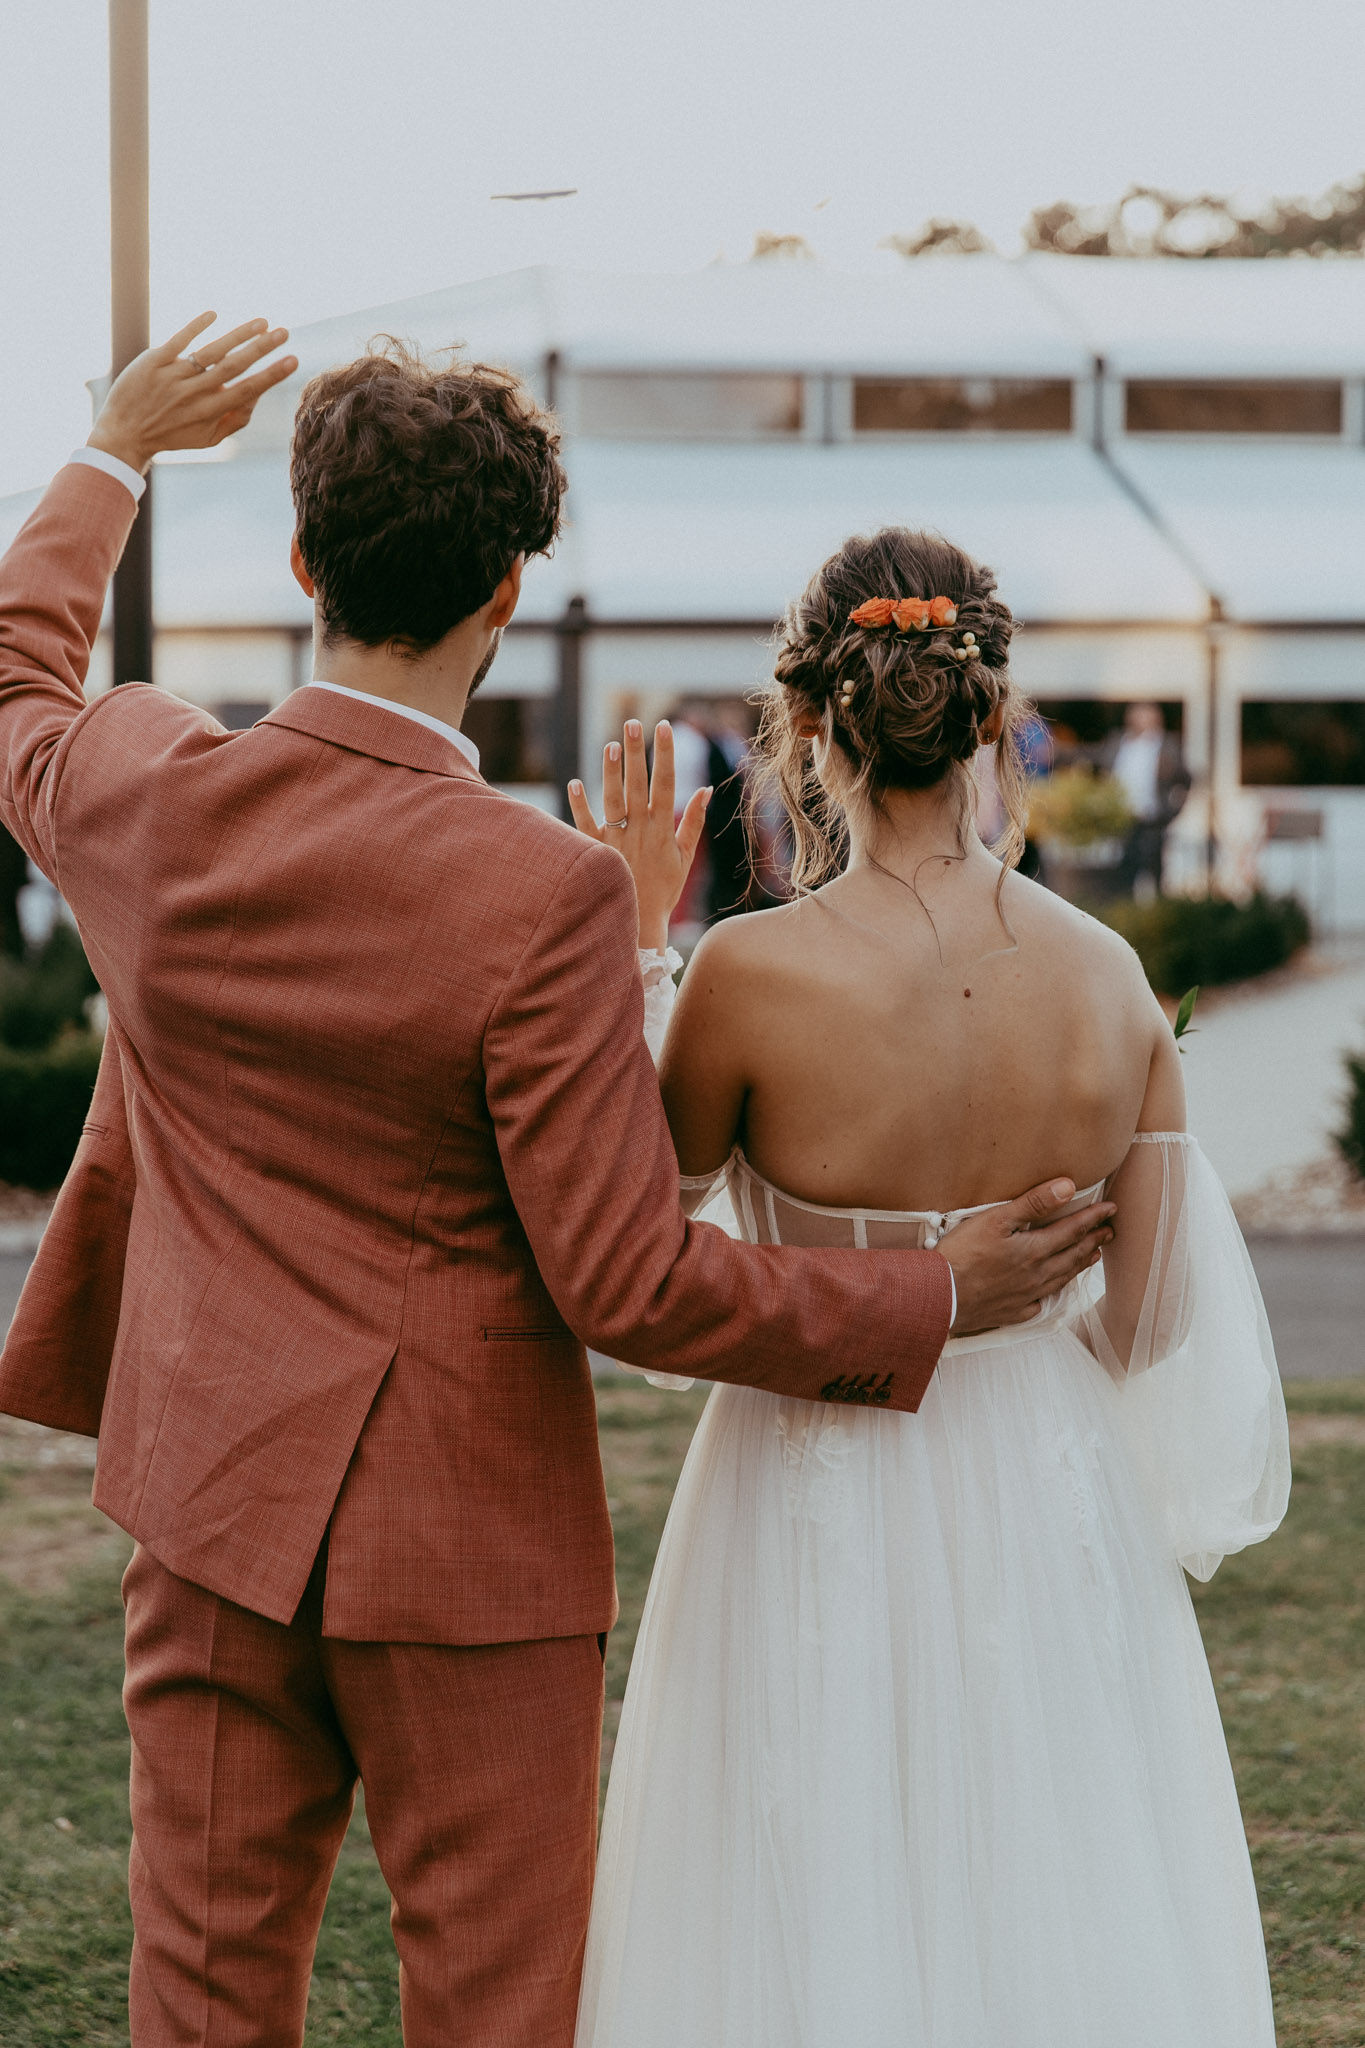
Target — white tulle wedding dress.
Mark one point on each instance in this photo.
(920, 1748)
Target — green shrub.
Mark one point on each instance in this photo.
(1351, 1137)
(45, 993)
(1077, 807)
(1181, 940)
(44, 1100)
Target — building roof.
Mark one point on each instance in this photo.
(938, 316)
(1276, 528)
(1224, 317)
(687, 532)
(725, 530)
(694, 533)
(958, 315)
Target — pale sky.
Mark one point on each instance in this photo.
(314, 156)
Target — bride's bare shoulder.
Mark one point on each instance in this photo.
(1067, 932)
(742, 951)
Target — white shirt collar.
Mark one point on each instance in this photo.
(452, 733)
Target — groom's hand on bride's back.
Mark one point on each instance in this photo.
(1006, 1261)
(173, 396)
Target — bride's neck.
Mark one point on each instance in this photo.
(910, 827)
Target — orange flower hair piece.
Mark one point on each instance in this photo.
(906, 614)
(876, 612)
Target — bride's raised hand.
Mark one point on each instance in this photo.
(637, 819)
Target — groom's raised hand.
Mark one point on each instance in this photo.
(175, 397)
(1006, 1261)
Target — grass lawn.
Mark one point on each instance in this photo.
(1284, 1624)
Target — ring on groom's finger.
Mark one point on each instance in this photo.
(201, 367)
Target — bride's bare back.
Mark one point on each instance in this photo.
(930, 1047)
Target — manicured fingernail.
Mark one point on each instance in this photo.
(613, 752)
(1059, 1190)
(576, 788)
(634, 728)
(664, 725)
(709, 792)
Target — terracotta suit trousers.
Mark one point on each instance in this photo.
(249, 1737)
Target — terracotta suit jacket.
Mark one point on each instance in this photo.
(377, 1146)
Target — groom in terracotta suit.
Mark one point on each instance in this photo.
(376, 1148)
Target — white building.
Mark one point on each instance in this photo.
(1163, 461)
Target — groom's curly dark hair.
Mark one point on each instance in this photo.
(416, 486)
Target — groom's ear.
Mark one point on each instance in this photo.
(503, 602)
(301, 576)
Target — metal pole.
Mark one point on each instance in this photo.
(129, 262)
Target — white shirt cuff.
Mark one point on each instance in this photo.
(952, 1313)
(122, 472)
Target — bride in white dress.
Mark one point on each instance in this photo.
(920, 1748)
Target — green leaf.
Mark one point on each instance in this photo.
(1186, 1011)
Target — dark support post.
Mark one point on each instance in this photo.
(569, 697)
(129, 267)
(1098, 424)
(1213, 638)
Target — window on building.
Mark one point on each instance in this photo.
(1196, 405)
(513, 736)
(1081, 725)
(1296, 746)
(648, 405)
(961, 405)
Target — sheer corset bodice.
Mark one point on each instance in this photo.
(766, 1214)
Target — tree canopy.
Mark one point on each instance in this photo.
(1147, 221)
(1150, 222)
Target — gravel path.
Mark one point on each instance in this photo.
(1263, 1070)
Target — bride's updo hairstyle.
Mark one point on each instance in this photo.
(896, 709)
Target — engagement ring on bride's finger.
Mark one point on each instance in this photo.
(615, 824)
(201, 367)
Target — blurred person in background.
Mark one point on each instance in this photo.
(1147, 761)
(13, 877)
(711, 749)
(1034, 749)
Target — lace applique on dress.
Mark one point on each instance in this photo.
(1079, 1458)
(815, 1460)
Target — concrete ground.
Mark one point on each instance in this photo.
(1314, 1290)
(1263, 1068)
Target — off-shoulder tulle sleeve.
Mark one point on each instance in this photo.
(657, 971)
(1181, 1326)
